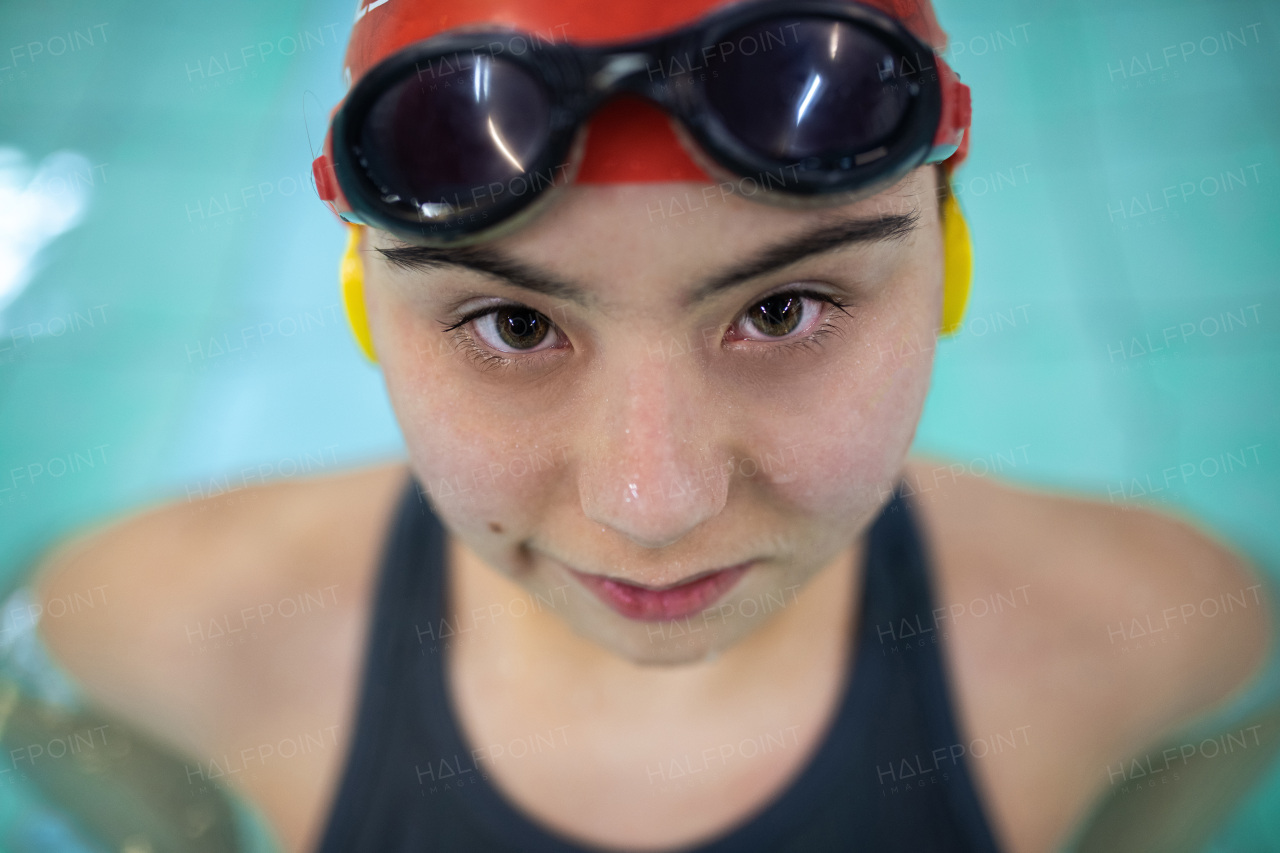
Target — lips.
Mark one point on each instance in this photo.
(671, 602)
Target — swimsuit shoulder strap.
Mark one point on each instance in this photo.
(902, 625)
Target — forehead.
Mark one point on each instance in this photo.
(384, 26)
(674, 210)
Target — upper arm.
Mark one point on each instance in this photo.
(1196, 622)
(1205, 594)
(117, 605)
(218, 615)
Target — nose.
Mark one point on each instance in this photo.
(651, 470)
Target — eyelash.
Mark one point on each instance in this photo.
(488, 359)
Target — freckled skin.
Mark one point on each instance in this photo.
(654, 441)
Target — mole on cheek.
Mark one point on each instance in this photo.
(495, 527)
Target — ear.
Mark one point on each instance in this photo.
(351, 280)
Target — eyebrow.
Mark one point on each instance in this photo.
(826, 238)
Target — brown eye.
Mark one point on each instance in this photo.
(787, 315)
(778, 315)
(513, 329)
(520, 327)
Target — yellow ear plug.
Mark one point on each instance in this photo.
(351, 277)
(957, 265)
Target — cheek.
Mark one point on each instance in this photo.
(841, 460)
(476, 469)
(851, 426)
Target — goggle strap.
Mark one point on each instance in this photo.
(327, 187)
(957, 112)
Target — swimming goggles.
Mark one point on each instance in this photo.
(462, 137)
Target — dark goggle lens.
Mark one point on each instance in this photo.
(799, 88)
(458, 134)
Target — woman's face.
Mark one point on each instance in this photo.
(665, 384)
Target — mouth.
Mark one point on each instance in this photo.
(650, 604)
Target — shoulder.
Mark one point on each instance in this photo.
(178, 592)
(1100, 627)
(1108, 579)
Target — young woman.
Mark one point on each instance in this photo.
(658, 573)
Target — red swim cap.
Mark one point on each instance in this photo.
(629, 140)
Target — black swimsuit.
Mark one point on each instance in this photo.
(889, 775)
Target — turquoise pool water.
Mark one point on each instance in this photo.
(185, 335)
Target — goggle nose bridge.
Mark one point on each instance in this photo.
(619, 72)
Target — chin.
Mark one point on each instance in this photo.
(650, 643)
(674, 656)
